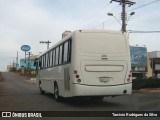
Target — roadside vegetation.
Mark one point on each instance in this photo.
(145, 83)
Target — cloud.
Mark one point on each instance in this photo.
(31, 21)
(26, 22)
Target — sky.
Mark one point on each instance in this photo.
(27, 22)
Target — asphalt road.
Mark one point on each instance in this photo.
(18, 94)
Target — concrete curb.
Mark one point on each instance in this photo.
(147, 90)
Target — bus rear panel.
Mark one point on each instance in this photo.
(102, 62)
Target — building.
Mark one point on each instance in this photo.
(153, 64)
(12, 67)
(28, 63)
(9, 68)
(144, 64)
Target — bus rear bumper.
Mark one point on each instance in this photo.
(88, 90)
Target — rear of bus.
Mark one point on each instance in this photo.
(101, 63)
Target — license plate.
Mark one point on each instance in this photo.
(104, 79)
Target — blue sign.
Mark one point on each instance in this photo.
(25, 48)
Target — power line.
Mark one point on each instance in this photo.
(96, 19)
(104, 21)
(123, 16)
(114, 8)
(157, 22)
(137, 31)
(143, 5)
(93, 25)
(90, 16)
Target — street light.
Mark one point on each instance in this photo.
(132, 13)
(111, 14)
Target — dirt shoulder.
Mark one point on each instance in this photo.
(1, 77)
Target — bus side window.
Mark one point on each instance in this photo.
(57, 55)
(46, 60)
(50, 59)
(69, 50)
(53, 57)
(42, 62)
(65, 53)
(60, 54)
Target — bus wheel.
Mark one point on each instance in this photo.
(41, 91)
(40, 88)
(56, 93)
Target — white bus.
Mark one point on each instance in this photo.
(93, 63)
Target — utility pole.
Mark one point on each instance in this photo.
(13, 64)
(29, 70)
(46, 42)
(29, 55)
(17, 61)
(123, 15)
(29, 65)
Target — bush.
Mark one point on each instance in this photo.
(145, 83)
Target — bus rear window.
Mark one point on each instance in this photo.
(103, 43)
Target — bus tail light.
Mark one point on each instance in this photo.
(77, 76)
(79, 80)
(129, 77)
(75, 71)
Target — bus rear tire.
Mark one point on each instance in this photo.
(56, 93)
(40, 88)
(41, 91)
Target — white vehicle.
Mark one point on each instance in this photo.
(94, 63)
